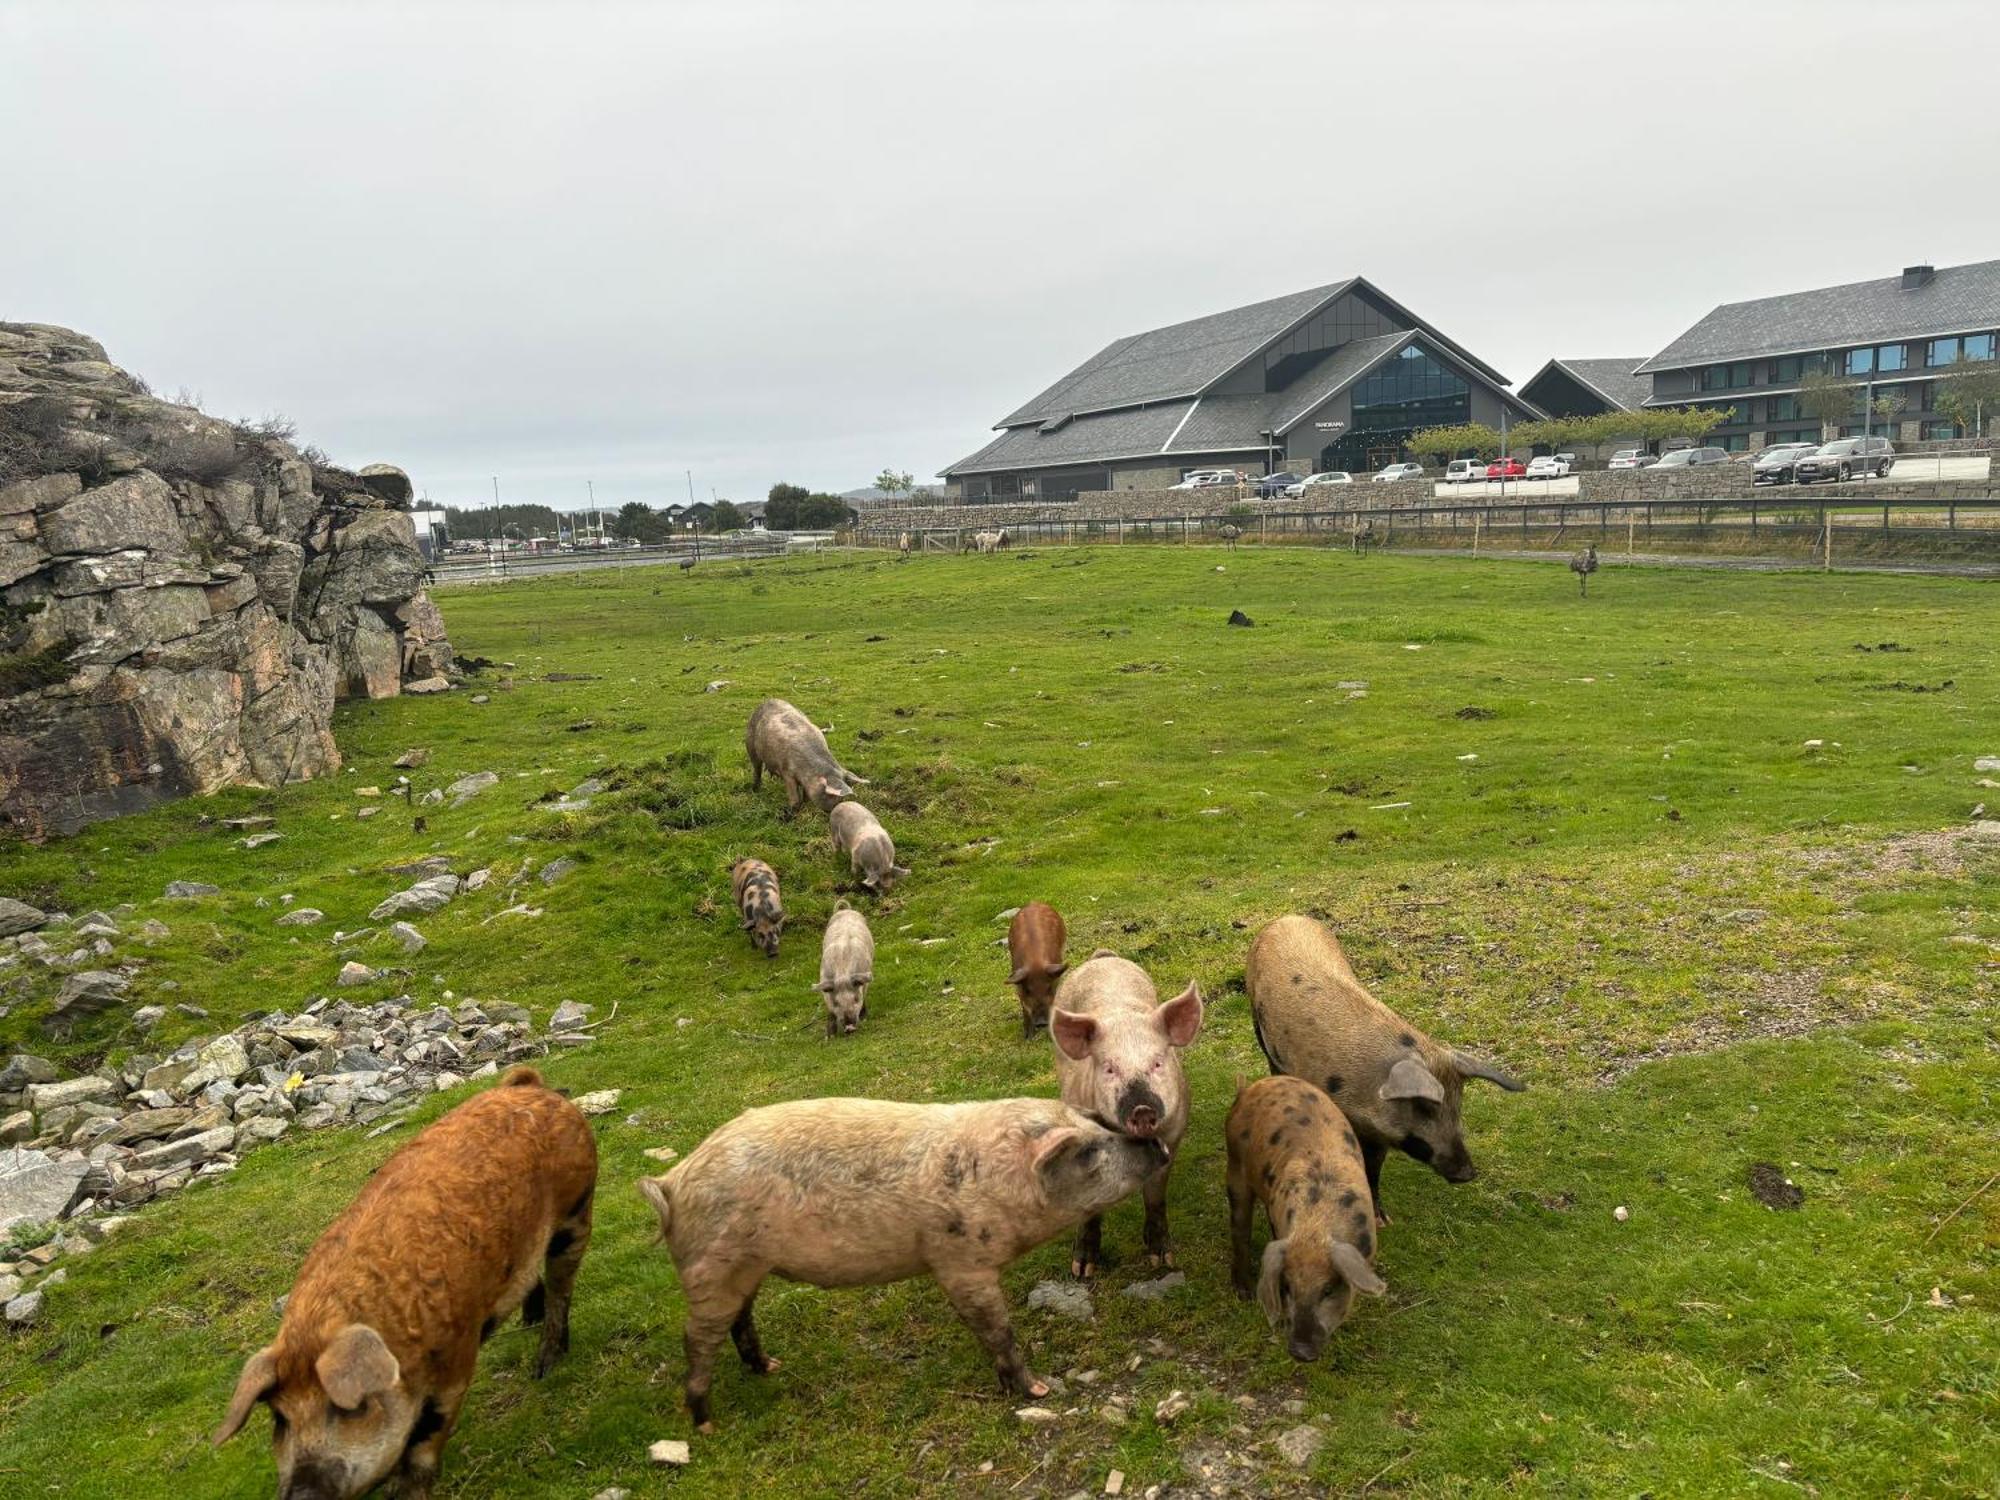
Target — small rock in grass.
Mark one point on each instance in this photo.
(1295, 1408)
(366, 812)
(1063, 1297)
(25, 1310)
(1154, 1290)
(305, 916)
(1298, 1446)
(602, 1102)
(1621, 1213)
(1035, 1416)
(409, 760)
(661, 1153)
(614, 1493)
(258, 840)
(407, 937)
(1114, 1482)
(1171, 1407)
(570, 1013)
(481, 698)
(1237, 617)
(352, 973)
(555, 869)
(190, 890)
(1987, 763)
(670, 1453)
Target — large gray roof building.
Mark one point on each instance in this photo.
(1900, 334)
(1335, 377)
(1586, 387)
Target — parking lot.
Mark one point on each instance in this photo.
(1909, 468)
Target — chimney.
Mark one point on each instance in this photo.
(1916, 276)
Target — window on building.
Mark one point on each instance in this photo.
(1891, 357)
(1742, 375)
(1977, 346)
(1782, 409)
(1412, 390)
(1934, 431)
(1788, 370)
(1729, 442)
(1860, 361)
(1006, 485)
(1942, 352)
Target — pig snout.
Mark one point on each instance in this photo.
(1306, 1338)
(1141, 1110)
(313, 1481)
(1455, 1165)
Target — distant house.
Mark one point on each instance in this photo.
(697, 515)
(1588, 387)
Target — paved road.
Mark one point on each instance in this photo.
(1910, 469)
(1710, 560)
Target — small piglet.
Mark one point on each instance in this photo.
(1292, 1150)
(1400, 1088)
(785, 742)
(870, 852)
(846, 969)
(754, 884)
(486, 1211)
(860, 1192)
(1118, 1060)
(1035, 947)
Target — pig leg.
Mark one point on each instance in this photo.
(977, 1298)
(1154, 1235)
(715, 1302)
(1089, 1248)
(1372, 1157)
(417, 1470)
(744, 1332)
(794, 795)
(565, 1255)
(756, 773)
(1241, 1209)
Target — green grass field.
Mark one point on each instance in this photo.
(1584, 837)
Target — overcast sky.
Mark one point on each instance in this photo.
(570, 242)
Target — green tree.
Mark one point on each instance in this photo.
(1969, 398)
(1441, 443)
(1889, 406)
(894, 482)
(781, 507)
(728, 517)
(637, 522)
(1827, 399)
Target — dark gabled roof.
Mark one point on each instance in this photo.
(1957, 299)
(1610, 378)
(1330, 377)
(1093, 439)
(1182, 359)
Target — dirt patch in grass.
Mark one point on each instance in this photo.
(1943, 854)
(1772, 1188)
(1794, 1003)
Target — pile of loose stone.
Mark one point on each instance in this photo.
(77, 1152)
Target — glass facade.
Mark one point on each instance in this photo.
(1788, 371)
(1891, 357)
(1933, 431)
(1348, 319)
(1410, 391)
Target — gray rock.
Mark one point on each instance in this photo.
(555, 869)
(146, 1017)
(1299, 1446)
(466, 788)
(16, 1128)
(223, 1060)
(352, 973)
(428, 894)
(261, 1130)
(187, 1151)
(25, 1310)
(190, 890)
(602, 1102)
(259, 840)
(1158, 1287)
(35, 1187)
(407, 937)
(87, 994)
(1066, 1299)
(18, 916)
(24, 1068)
(43, 1097)
(569, 1013)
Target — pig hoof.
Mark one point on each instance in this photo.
(706, 1429)
(1037, 1387)
(768, 1366)
(1083, 1270)
(1381, 1219)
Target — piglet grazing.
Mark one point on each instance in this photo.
(785, 742)
(846, 969)
(754, 884)
(1035, 948)
(1292, 1150)
(1118, 1061)
(486, 1211)
(860, 1192)
(870, 852)
(1399, 1088)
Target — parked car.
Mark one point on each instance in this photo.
(1276, 484)
(1776, 463)
(1464, 470)
(1397, 471)
(1572, 460)
(1548, 466)
(1506, 468)
(1692, 458)
(1314, 481)
(1208, 479)
(1631, 458)
(1844, 458)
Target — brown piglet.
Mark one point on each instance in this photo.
(1292, 1150)
(1035, 948)
(486, 1211)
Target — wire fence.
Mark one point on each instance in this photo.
(689, 552)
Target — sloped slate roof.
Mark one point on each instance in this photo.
(1111, 434)
(1610, 378)
(1178, 360)
(1958, 299)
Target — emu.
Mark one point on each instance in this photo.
(1583, 565)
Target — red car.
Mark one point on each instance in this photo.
(1506, 468)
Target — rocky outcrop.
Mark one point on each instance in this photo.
(182, 599)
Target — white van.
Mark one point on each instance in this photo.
(1464, 470)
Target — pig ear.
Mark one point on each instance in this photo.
(1055, 970)
(899, 871)
(1472, 1067)
(1053, 1145)
(1073, 1034)
(258, 1380)
(823, 985)
(1360, 1275)
(1018, 975)
(1410, 1079)
(1270, 1282)
(1180, 1017)
(355, 1365)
